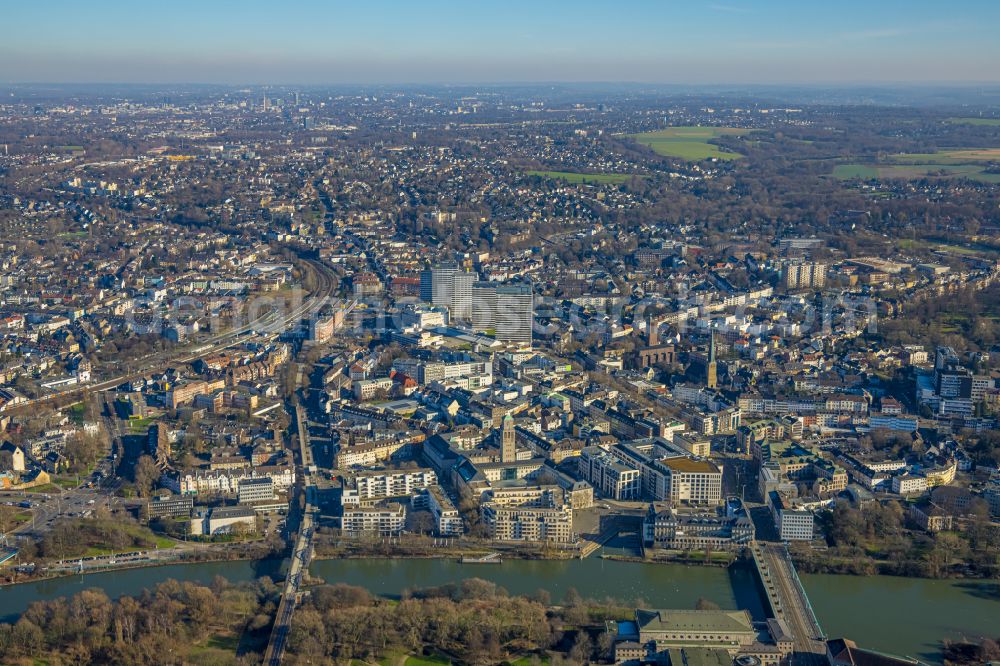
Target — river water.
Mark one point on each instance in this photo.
(899, 615)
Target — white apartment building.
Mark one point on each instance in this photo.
(384, 521)
(393, 483)
(446, 516)
(907, 484)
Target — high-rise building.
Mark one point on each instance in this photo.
(442, 284)
(484, 306)
(446, 286)
(461, 295)
(805, 275)
(514, 314)
(427, 286)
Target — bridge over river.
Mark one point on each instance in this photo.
(788, 601)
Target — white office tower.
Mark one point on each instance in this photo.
(461, 296)
(442, 283)
(515, 313)
(484, 306)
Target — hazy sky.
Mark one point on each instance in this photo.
(389, 41)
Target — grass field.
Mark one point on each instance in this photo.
(47, 488)
(956, 156)
(574, 177)
(689, 142)
(942, 164)
(76, 412)
(988, 122)
(139, 426)
(926, 244)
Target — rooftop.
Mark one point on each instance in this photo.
(681, 464)
(694, 621)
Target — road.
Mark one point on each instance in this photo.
(794, 607)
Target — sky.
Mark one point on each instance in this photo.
(486, 41)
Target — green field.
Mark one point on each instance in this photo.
(952, 163)
(848, 171)
(575, 177)
(689, 142)
(989, 122)
(932, 245)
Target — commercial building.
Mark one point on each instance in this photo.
(693, 481)
(515, 314)
(609, 476)
(223, 520)
(446, 286)
(259, 489)
(701, 637)
(686, 529)
(484, 299)
(160, 506)
(794, 523)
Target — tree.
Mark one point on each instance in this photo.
(146, 475)
(421, 522)
(582, 647)
(8, 518)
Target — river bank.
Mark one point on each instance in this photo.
(129, 565)
(899, 615)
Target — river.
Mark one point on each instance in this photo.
(899, 615)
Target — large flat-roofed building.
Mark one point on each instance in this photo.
(794, 523)
(665, 629)
(695, 529)
(259, 489)
(223, 520)
(160, 506)
(693, 481)
(702, 637)
(697, 446)
(608, 475)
